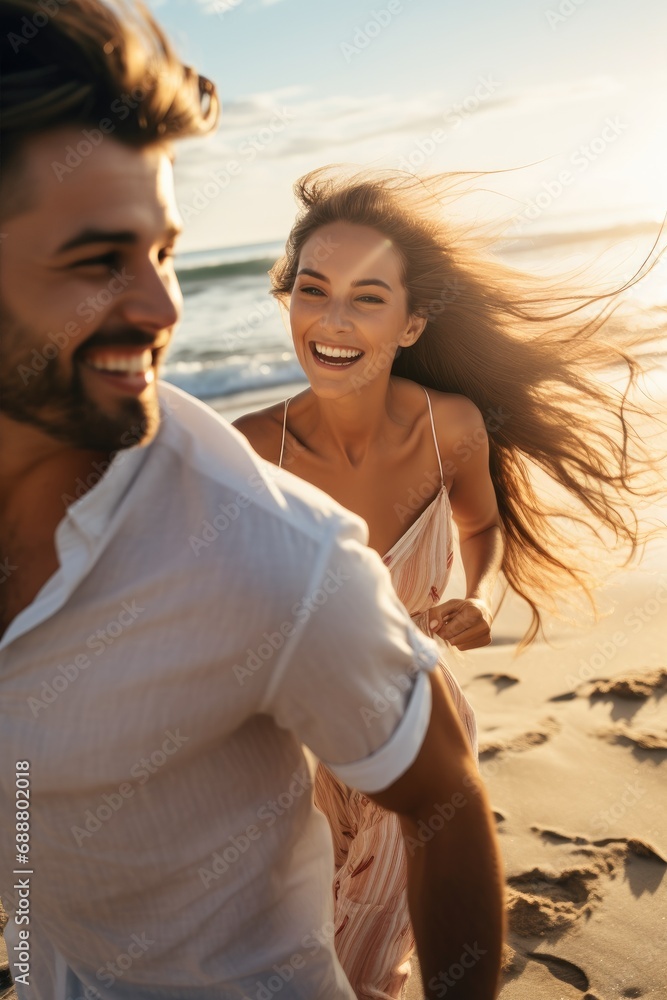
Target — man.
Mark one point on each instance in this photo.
(177, 622)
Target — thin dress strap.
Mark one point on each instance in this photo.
(282, 446)
(435, 440)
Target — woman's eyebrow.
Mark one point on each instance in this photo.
(372, 281)
(355, 284)
(313, 274)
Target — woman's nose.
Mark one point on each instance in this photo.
(335, 317)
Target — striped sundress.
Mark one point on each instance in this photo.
(374, 938)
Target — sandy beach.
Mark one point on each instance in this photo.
(573, 737)
(573, 750)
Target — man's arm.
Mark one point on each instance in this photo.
(455, 879)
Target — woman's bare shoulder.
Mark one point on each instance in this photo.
(456, 406)
(263, 429)
(452, 411)
(458, 422)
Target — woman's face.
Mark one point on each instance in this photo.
(348, 308)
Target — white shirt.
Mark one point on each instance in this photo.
(210, 615)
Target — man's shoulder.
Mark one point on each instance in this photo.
(219, 457)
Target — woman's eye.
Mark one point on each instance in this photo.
(311, 290)
(371, 298)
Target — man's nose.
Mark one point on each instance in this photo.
(153, 299)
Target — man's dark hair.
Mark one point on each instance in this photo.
(84, 62)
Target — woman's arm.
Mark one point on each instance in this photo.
(466, 623)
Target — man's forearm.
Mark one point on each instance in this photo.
(455, 893)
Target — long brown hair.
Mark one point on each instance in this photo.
(525, 350)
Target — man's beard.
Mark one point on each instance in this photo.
(56, 402)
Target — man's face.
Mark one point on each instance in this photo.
(88, 293)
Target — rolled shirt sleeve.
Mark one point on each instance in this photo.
(354, 688)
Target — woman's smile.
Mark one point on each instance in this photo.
(334, 356)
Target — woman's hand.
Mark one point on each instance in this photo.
(465, 623)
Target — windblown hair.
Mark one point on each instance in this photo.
(526, 351)
(80, 62)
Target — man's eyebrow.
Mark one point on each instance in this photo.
(126, 237)
(355, 284)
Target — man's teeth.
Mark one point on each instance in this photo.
(337, 352)
(127, 364)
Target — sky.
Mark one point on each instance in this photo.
(567, 97)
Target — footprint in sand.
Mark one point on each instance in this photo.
(638, 686)
(626, 845)
(565, 971)
(546, 728)
(541, 902)
(636, 738)
(544, 903)
(501, 681)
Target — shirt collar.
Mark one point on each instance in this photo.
(110, 481)
(93, 511)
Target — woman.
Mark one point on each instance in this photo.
(434, 375)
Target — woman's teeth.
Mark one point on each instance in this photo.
(341, 354)
(125, 364)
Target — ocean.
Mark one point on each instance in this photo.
(234, 340)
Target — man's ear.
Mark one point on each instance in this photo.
(414, 331)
